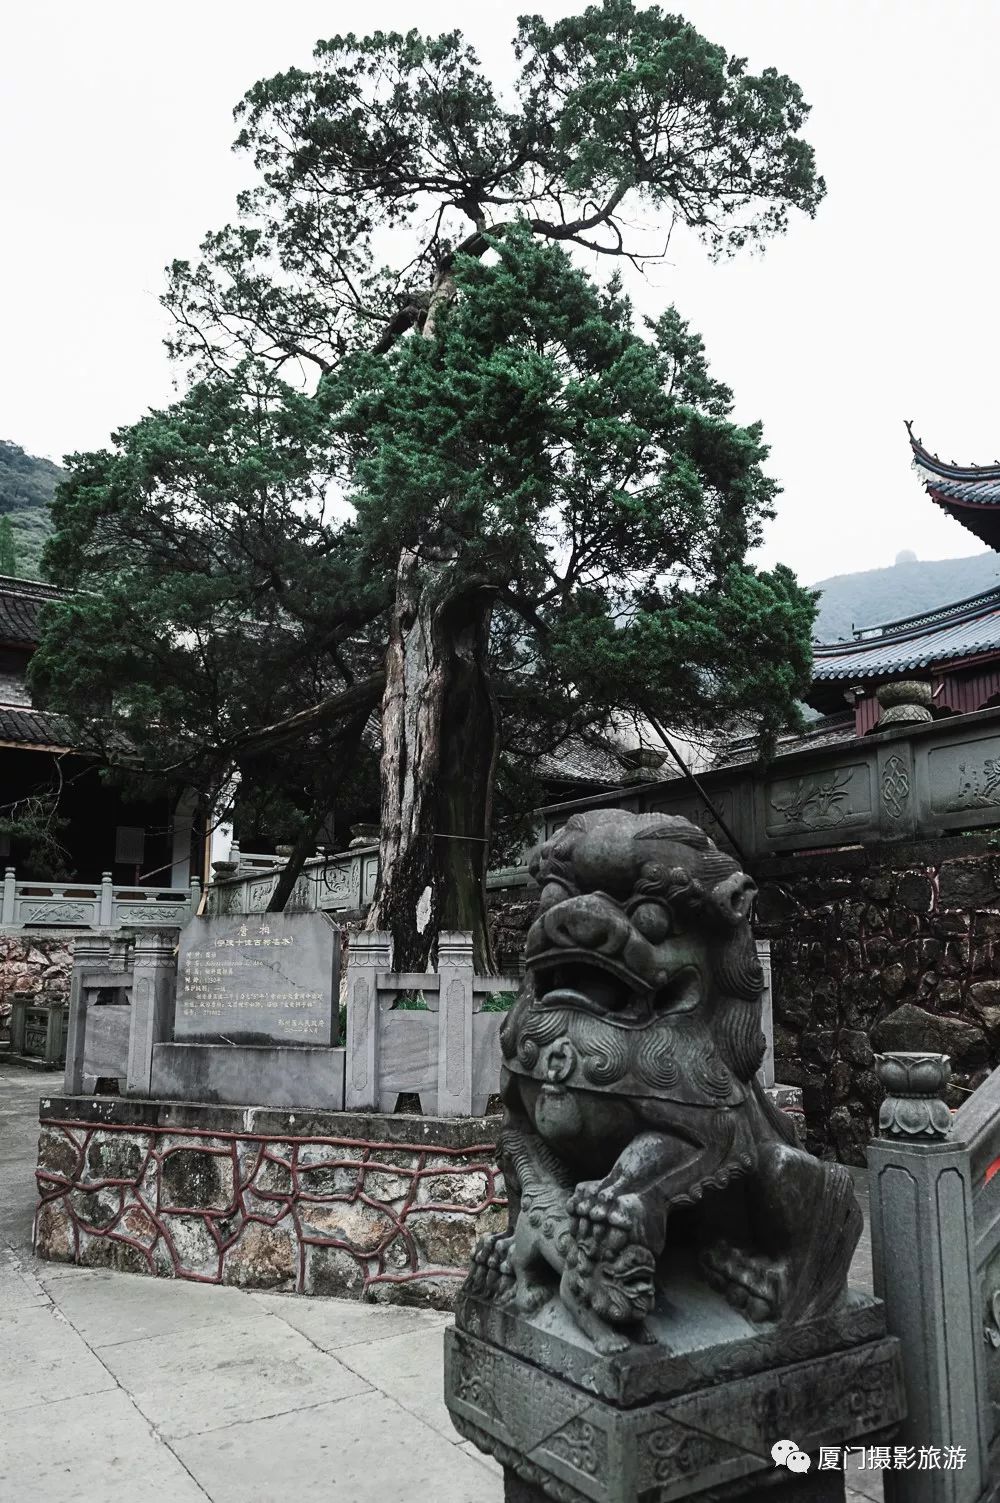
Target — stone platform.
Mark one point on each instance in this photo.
(695, 1419)
(385, 1208)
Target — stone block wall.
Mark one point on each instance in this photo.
(367, 1206)
(512, 911)
(892, 947)
(39, 964)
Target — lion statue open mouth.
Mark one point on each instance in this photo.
(630, 1097)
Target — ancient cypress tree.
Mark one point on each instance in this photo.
(558, 503)
(571, 506)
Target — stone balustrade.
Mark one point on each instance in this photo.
(28, 905)
(928, 779)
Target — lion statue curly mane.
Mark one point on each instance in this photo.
(640, 1152)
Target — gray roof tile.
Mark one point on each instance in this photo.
(32, 728)
(966, 629)
(20, 602)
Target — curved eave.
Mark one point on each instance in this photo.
(859, 668)
(968, 493)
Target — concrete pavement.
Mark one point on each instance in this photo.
(114, 1386)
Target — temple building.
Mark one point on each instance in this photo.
(953, 652)
(92, 827)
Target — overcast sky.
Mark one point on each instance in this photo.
(115, 128)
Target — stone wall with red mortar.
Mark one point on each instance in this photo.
(39, 964)
(369, 1206)
(892, 947)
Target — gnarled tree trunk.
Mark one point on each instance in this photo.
(439, 750)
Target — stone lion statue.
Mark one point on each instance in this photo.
(640, 1152)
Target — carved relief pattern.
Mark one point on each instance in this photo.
(978, 787)
(817, 803)
(991, 1325)
(705, 818)
(865, 1398)
(895, 786)
(474, 1381)
(675, 1450)
(58, 913)
(516, 1461)
(259, 895)
(991, 1335)
(582, 1445)
(337, 882)
(157, 915)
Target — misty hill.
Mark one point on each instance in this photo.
(907, 589)
(26, 488)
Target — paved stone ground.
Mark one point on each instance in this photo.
(114, 1387)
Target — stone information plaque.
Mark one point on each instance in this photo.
(269, 978)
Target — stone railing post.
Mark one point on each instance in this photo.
(454, 1093)
(924, 1260)
(195, 897)
(106, 913)
(154, 972)
(91, 952)
(9, 895)
(367, 956)
(18, 1019)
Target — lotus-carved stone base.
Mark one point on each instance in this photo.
(913, 1107)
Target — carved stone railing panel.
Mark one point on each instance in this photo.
(331, 884)
(94, 905)
(926, 780)
(832, 802)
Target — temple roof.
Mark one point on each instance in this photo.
(31, 729)
(969, 493)
(20, 602)
(969, 628)
(827, 730)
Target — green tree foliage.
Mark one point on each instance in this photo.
(27, 485)
(8, 553)
(395, 154)
(214, 596)
(547, 510)
(591, 478)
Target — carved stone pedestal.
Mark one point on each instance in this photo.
(824, 1487)
(670, 1299)
(690, 1418)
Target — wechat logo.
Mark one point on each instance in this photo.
(786, 1453)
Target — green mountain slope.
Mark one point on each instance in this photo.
(26, 488)
(907, 589)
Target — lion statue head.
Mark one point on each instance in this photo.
(640, 964)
